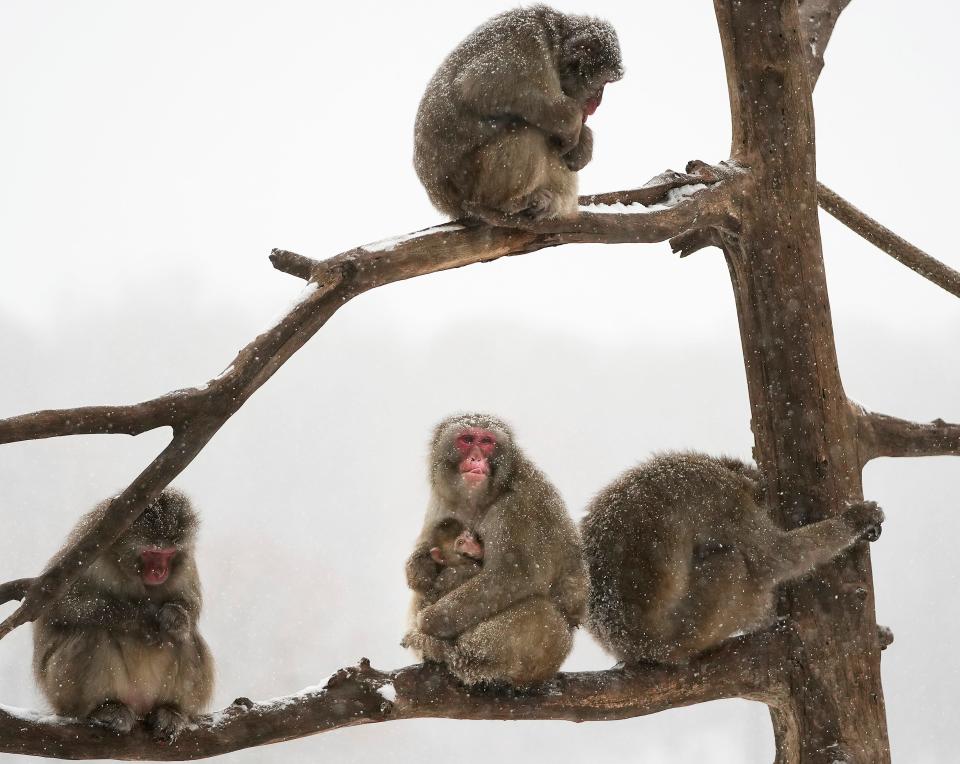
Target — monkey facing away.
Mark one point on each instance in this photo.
(500, 130)
(682, 555)
(123, 643)
(512, 619)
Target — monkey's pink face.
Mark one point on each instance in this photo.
(592, 103)
(156, 565)
(476, 447)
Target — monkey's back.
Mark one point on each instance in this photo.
(447, 130)
(642, 531)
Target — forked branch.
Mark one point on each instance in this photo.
(749, 667)
(197, 413)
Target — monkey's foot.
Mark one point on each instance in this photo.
(115, 716)
(866, 518)
(166, 723)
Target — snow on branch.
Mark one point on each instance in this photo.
(749, 667)
(196, 414)
(882, 435)
(900, 249)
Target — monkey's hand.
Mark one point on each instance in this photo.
(865, 518)
(429, 648)
(174, 621)
(580, 155)
(565, 124)
(437, 621)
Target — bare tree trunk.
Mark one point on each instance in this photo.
(805, 439)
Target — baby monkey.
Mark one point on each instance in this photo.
(123, 643)
(458, 555)
(500, 131)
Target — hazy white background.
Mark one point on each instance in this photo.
(152, 154)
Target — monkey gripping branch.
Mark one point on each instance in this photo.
(818, 671)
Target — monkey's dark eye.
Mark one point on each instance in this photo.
(467, 438)
(486, 441)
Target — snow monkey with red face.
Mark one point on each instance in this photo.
(500, 132)
(123, 643)
(512, 620)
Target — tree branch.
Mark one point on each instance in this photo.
(748, 667)
(882, 435)
(817, 19)
(900, 249)
(196, 414)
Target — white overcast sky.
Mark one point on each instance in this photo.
(151, 155)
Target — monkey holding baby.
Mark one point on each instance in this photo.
(123, 643)
(498, 575)
(500, 132)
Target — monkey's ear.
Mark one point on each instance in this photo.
(436, 555)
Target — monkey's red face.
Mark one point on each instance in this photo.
(476, 447)
(156, 565)
(592, 103)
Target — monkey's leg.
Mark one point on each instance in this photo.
(795, 553)
(725, 597)
(521, 174)
(523, 646)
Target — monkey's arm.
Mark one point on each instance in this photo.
(141, 619)
(495, 85)
(580, 155)
(508, 576)
(421, 570)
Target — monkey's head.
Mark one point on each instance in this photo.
(453, 544)
(472, 456)
(159, 542)
(589, 59)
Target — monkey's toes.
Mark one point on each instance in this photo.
(115, 716)
(166, 724)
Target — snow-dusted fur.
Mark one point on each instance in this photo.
(682, 555)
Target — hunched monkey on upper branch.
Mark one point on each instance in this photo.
(500, 131)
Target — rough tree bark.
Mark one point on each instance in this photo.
(805, 444)
(818, 670)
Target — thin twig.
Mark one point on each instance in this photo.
(900, 249)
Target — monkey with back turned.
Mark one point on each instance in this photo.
(511, 621)
(683, 555)
(123, 643)
(500, 131)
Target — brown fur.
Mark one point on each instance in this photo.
(682, 555)
(500, 131)
(114, 649)
(512, 619)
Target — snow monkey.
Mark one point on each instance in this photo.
(682, 555)
(500, 131)
(123, 642)
(511, 621)
(457, 554)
